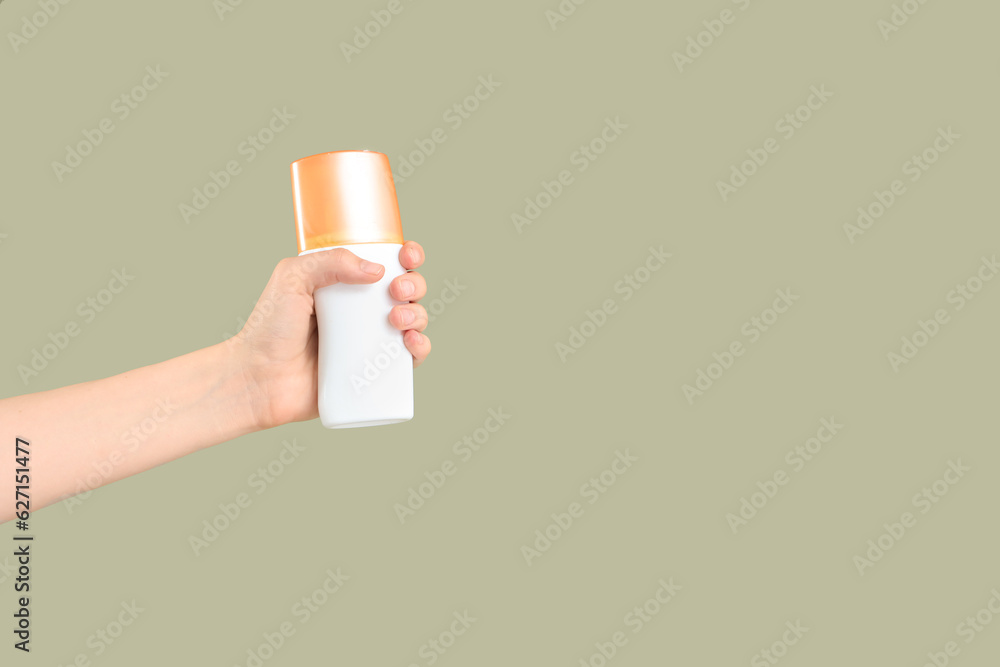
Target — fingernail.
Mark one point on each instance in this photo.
(406, 316)
(414, 255)
(405, 288)
(371, 267)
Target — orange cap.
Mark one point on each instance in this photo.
(343, 198)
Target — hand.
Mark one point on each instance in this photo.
(277, 348)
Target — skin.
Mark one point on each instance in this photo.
(91, 434)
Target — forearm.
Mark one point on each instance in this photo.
(91, 434)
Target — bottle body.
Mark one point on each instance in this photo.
(365, 371)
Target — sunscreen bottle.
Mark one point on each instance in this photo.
(347, 199)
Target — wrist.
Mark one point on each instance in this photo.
(240, 404)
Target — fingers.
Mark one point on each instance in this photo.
(411, 255)
(408, 287)
(411, 318)
(408, 316)
(419, 346)
(318, 269)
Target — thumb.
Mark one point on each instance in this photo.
(327, 267)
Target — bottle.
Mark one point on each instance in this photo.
(347, 199)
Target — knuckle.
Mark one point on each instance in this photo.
(340, 255)
(285, 270)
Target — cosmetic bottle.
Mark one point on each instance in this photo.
(347, 199)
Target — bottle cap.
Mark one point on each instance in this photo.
(343, 198)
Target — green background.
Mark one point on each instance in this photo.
(495, 344)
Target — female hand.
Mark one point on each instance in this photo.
(277, 348)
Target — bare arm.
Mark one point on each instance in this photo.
(94, 433)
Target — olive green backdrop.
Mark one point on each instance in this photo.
(553, 319)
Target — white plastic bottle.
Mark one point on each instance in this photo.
(347, 199)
